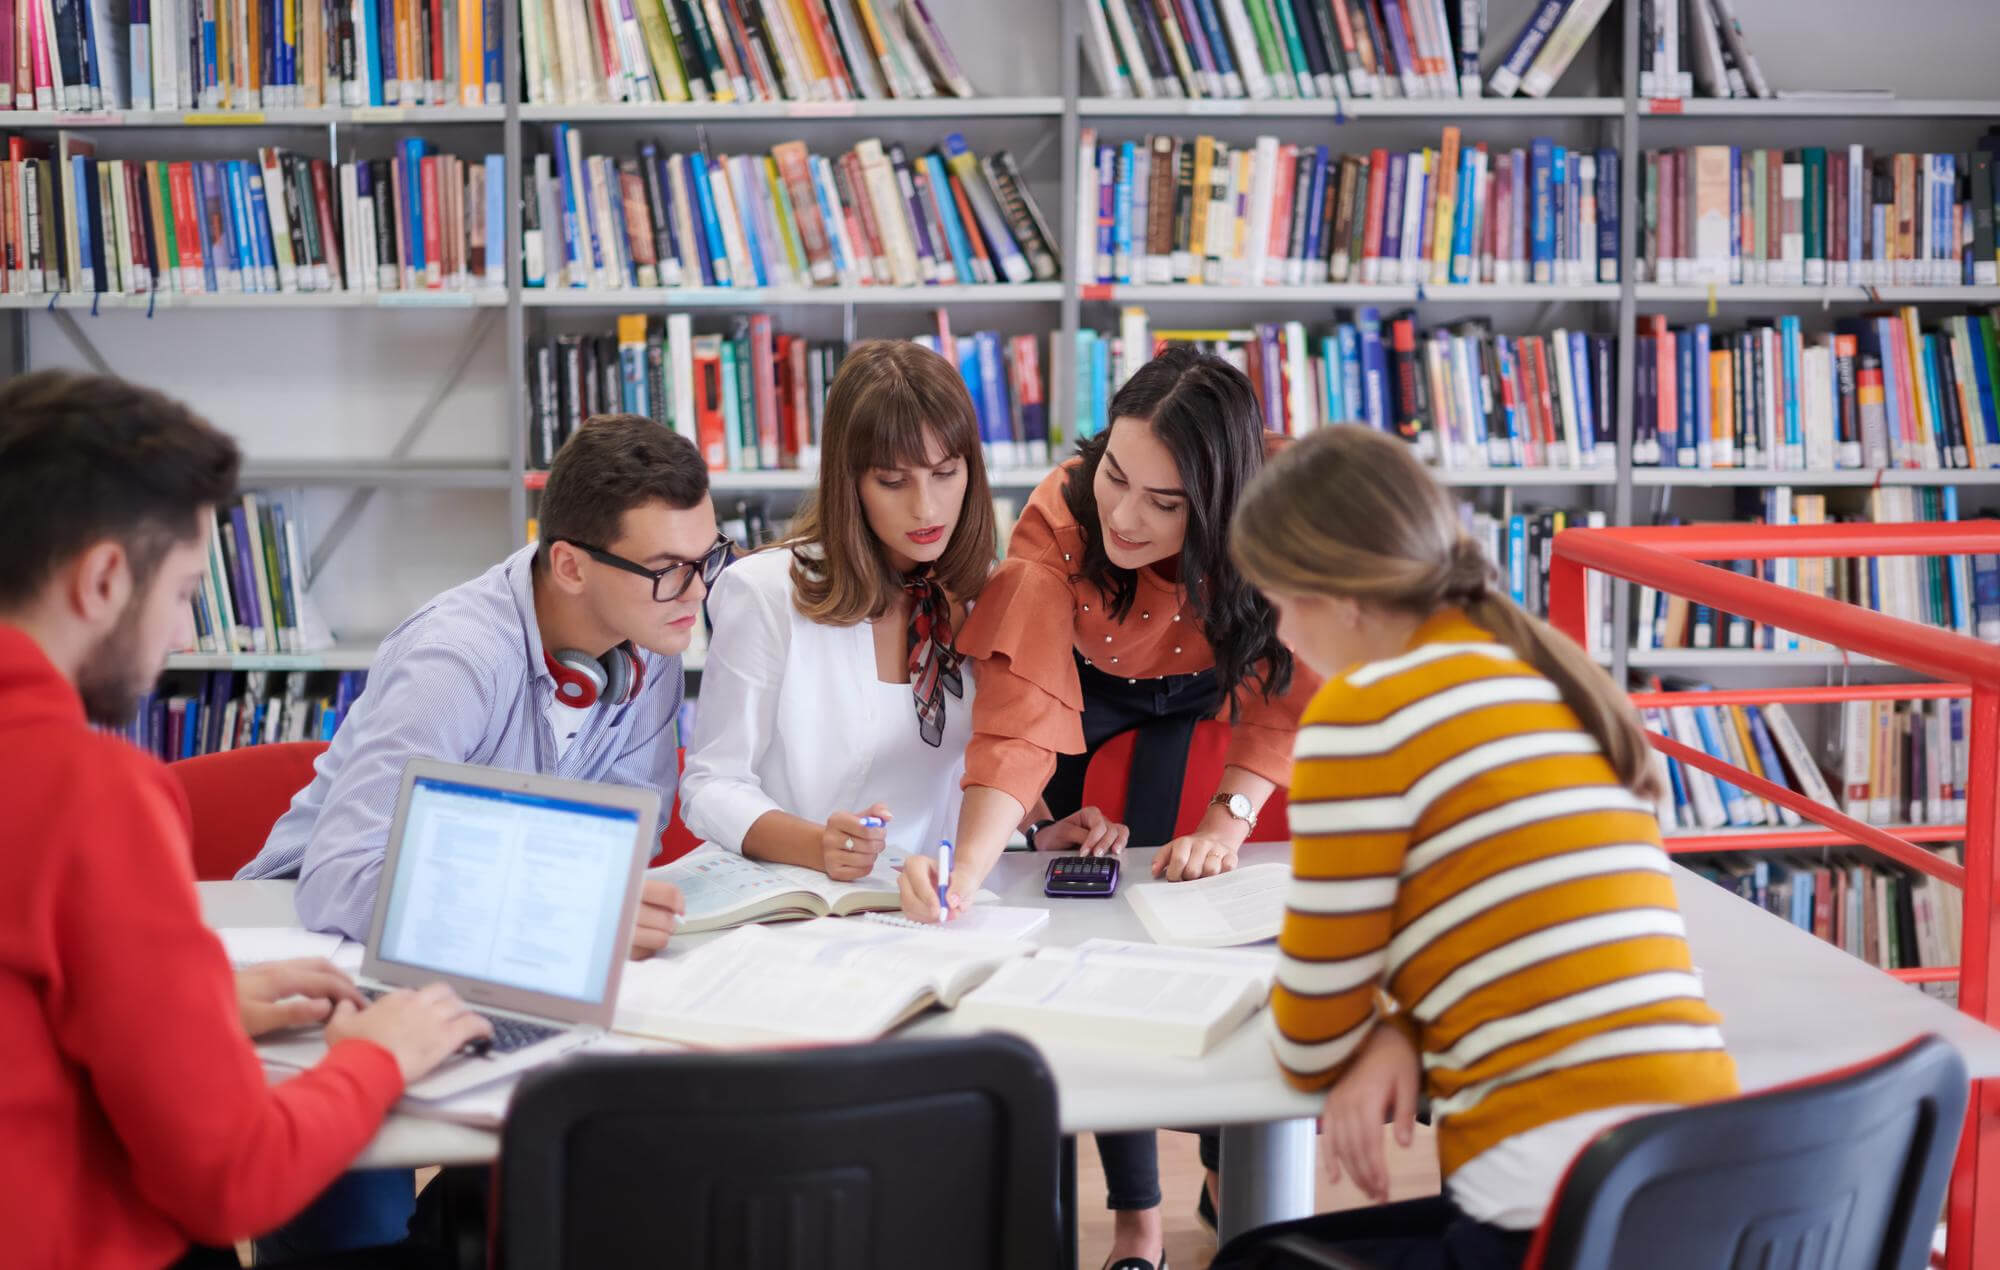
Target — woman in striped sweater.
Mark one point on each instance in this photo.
(1479, 901)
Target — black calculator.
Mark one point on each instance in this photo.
(1091, 877)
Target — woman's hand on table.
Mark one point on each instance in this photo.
(1195, 855)
(851, 842)
(918, 885)
(1086, 830)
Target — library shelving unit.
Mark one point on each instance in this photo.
(1028, 58)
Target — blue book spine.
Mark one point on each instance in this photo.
(1607, 215)
(567, 191)
(1462, 262)
(954, 228)
(1506, 80)
(1315, 270)
(968, 370)
(1703, 427)
(1107, 214)
(385, 38)
(1080, 390)
(1543, 215)
(1350, 371)
(711, 225)
(491, 38)
(1121, 233)
(1929, 377)
(413, 180)
(753, 227)
(993, 379)
(1586, 398)
(614, 196)
(1736, 213)
(249, 604)
(1982, 377)
(1559, 189)
(1392, 217)
(1329, 379)
(1517, 557)
(1211, 25)
(260, 226)
(79, 184)
(1788, 339)
(1687, 445)
(702, 248)
(1374, 370)
(239, 225)
(221, 242)
(1956, 578)
(368, 41)
(496, 219)
(1711, 740)
(1503, 357)
(841, 262)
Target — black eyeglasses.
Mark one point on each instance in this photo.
(672, 582)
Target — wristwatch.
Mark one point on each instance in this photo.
(1237, 806)
(1033, 829)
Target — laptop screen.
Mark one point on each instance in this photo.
(522, 890)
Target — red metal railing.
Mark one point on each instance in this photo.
(1668, 558)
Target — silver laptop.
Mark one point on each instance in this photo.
(519, 891)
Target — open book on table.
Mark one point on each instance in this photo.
(1109, 994)
(724, 889)
(822, 982)
(1244, 906)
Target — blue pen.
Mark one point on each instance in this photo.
(944, 879)
(872, 822)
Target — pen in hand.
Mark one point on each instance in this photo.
(944, 880)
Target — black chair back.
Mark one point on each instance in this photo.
(1843, 1173)
(901, 1154)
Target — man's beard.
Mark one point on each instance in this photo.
(111, 679)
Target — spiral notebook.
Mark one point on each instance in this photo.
(991, 921)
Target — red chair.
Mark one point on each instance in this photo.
(234, 798)
(677, 840)
(1110, 771)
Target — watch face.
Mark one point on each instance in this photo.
(1239, 806)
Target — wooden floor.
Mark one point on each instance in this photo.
(1413, 1172)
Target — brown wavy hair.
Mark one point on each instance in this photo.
(888, 399)
(1350, 511)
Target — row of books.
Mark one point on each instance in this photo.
(1954, 593)
(754, 399)
(1818, 215)
(1875, 392)
(1904, 761)
(276, 222)
(873, 216)
(1521, 545)
(228, 710)
(253, 597)
(1466, 397)
(1200, 210)
(1327, 49)
(1696, 46)
(725, 51)
(1762, 740)
(1889, 916)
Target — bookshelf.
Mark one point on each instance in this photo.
(409, 411)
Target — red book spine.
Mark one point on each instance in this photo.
(330, 236)
(861, 206)
(799, 383)
(187, 225)
(1836, 223)
(1378, 194)
(708, 410)
(823, 33)
(427, 177)
(764, 389)
(1278, 234)
(143, 266)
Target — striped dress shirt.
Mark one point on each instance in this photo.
(1467, 866)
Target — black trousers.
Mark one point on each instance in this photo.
(1418, 1234)
(1164, 712)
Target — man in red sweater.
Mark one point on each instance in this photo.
(134, 1115)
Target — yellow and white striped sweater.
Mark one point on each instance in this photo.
(1462, 848)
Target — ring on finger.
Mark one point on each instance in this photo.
(847, 844)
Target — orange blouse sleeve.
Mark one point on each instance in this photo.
(1021, 636)
(1261, 741)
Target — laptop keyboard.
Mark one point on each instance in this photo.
(509, 1034)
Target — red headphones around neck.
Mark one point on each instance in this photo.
(582, 680)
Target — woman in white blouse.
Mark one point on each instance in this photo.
(834, 711)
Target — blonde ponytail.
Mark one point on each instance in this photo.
(1350, 511)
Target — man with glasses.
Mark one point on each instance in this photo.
(563, 659)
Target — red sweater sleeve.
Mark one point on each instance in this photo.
(147, 1004)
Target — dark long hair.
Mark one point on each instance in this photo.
(1203, 411)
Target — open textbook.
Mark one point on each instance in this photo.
(723, 889)
(1115, 995)
(821, 982)
(1246, 906)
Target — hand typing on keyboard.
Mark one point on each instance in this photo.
(420, 1029)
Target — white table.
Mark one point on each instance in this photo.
(1792, 1005)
